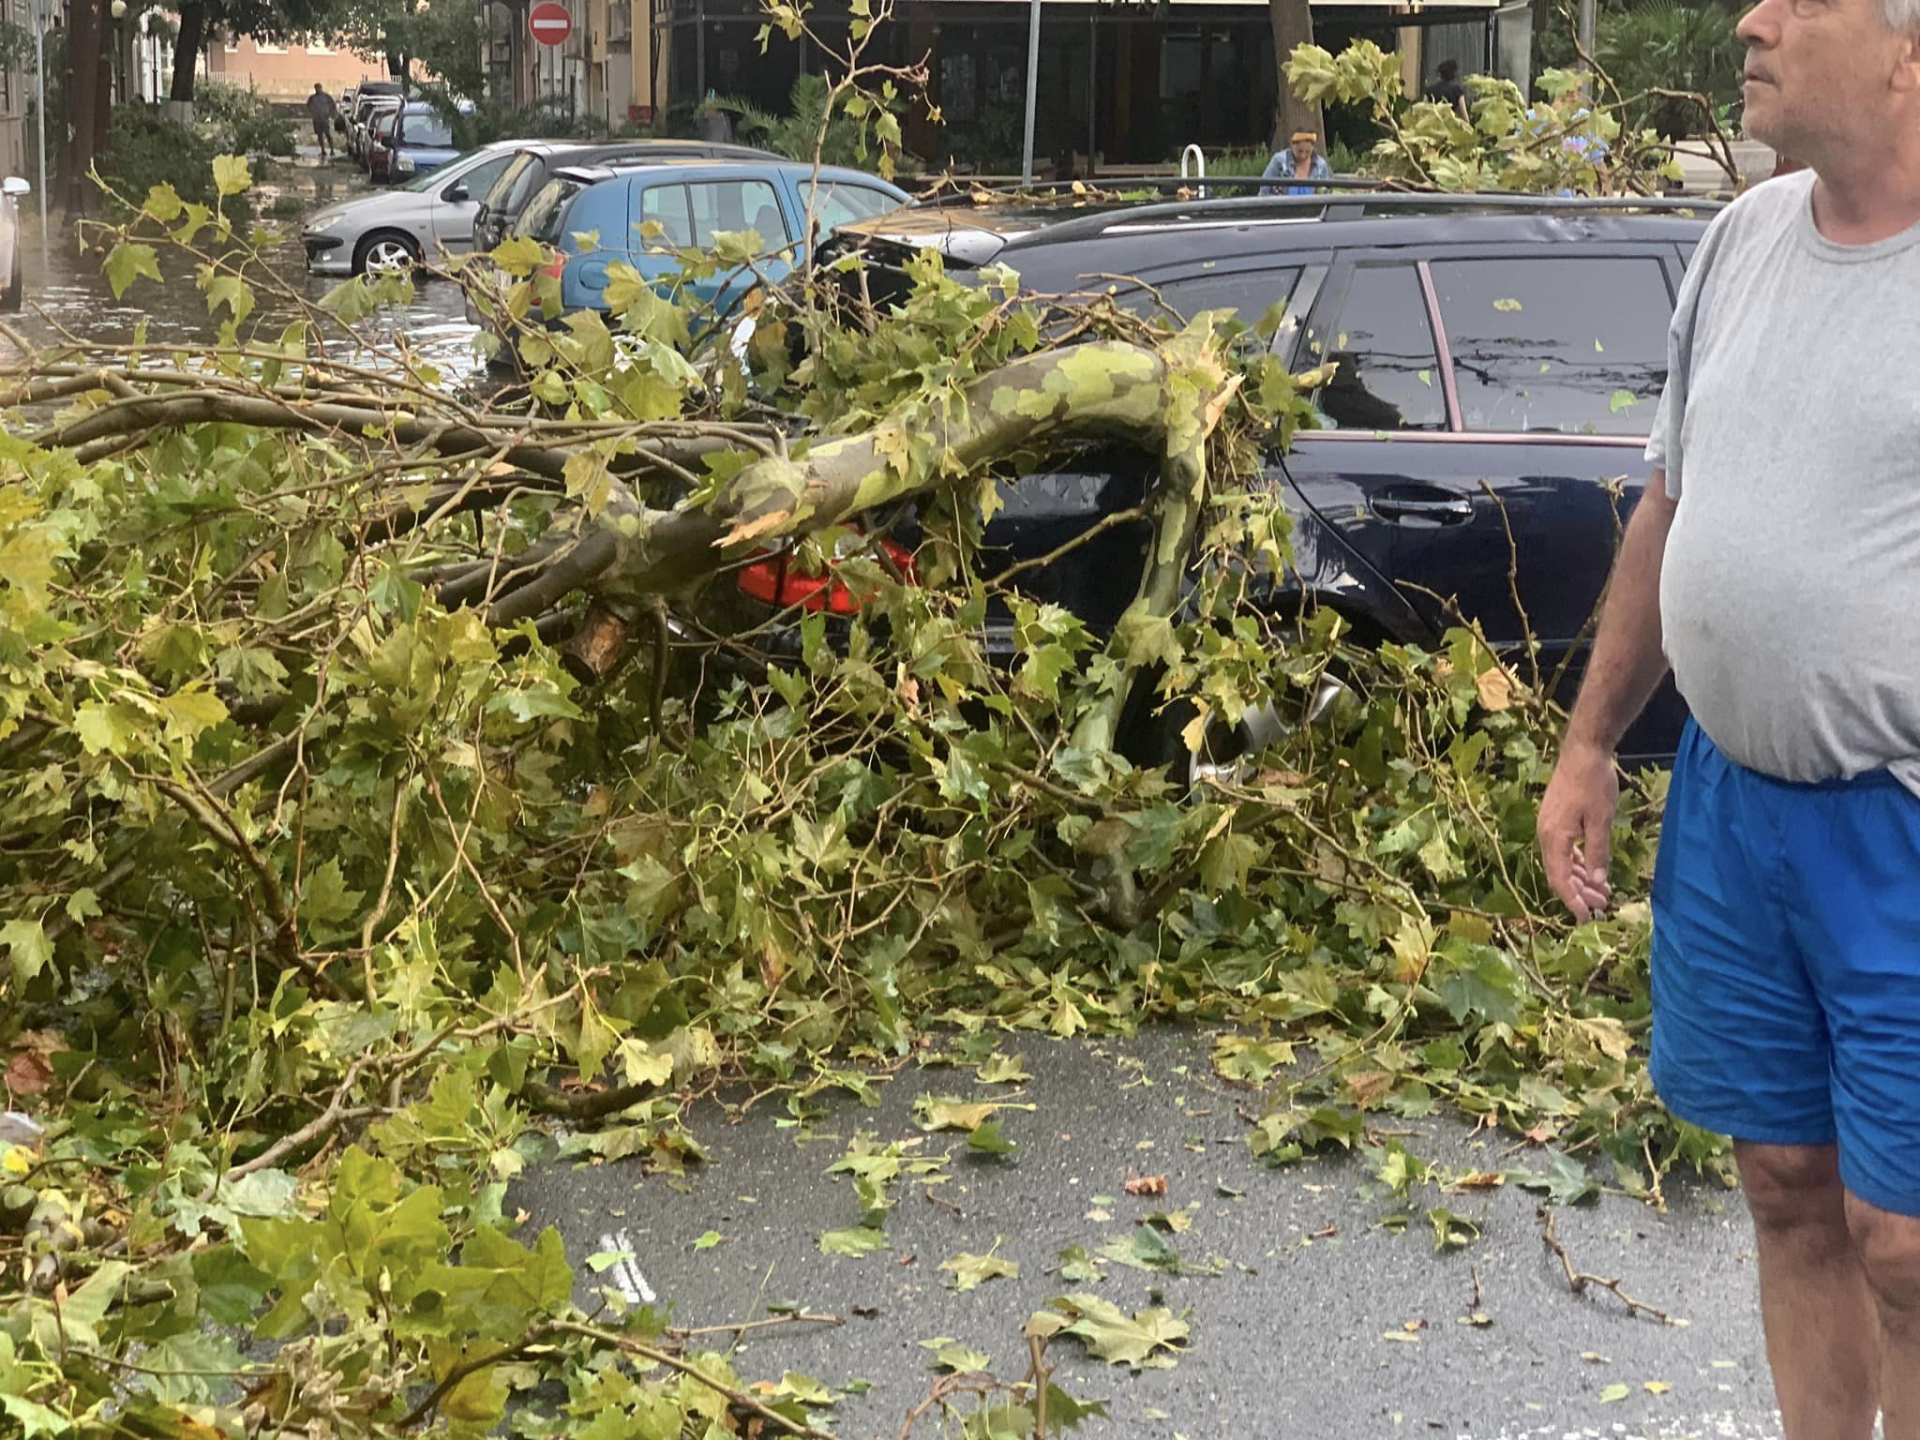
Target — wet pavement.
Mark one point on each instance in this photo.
(1324, 1320)
(68, 296)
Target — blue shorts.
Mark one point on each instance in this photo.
(1786, 965)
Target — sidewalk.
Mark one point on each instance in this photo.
(1290, 1340)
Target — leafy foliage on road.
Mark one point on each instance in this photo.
(378, 788)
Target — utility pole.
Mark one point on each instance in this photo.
(1586, 34)
(1033, 91)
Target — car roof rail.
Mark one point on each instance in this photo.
(1377, 204)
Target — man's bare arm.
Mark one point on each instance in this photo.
(1629, 660)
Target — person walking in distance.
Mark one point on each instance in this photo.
(321, 109)
(1774, 563)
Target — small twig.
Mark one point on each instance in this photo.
(740, 1327)
(1579, 1280)
(947, 1205)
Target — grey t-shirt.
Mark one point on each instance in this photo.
(1790, 433)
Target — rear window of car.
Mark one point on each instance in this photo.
(1558, 345)
(547, 211)
(426, 127)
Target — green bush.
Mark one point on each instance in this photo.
(1666, 45)
(146, 148)
(240, 122)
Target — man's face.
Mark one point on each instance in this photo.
(1302, 151)
(1826, 76)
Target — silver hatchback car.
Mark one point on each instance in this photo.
(415, 221)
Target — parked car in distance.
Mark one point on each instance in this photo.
(13, 280)
(501, 206)
(379, 142)
(421, 140)
(1479, 447)
(366, 108)
(691, 201)
(418, 219)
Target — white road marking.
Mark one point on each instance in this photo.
(625, 1272)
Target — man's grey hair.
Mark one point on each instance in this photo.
(1903, 15)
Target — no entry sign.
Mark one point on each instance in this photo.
(549, 23)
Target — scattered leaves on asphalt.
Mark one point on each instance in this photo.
(1146, 1185)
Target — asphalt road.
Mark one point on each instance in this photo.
(1287, 1341)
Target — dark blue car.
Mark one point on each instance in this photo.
(421, 140)
(1499, 360)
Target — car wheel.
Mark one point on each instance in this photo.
(15, 295)
(385, 255)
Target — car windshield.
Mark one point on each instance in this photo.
(427, 127)
(443, 175)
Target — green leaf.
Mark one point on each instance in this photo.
(1563, 1180)
(230, 174)
(708, 1240)
(1611, 1393)
(128, 261)
(950, 1354)
(326, 899)
(1623, 400)
(858, 1241)
(986, 1139)
(28, 946)
(972, 1271)
(1149, 1339)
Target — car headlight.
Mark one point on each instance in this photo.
(314, 227)
(403, 163)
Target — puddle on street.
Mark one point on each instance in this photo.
(68, 296)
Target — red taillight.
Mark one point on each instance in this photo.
(776, 580)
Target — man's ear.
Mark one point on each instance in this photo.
(1906, 71)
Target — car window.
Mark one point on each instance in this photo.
(1386, 374)
(542, 218)
(728, 205)
(524, 188)
(1249, 294)
(841, 203)
(666, 206)
(479, 180)
(427, 127)
(503, 183)
(1573, 346)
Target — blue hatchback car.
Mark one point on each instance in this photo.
(595, 216)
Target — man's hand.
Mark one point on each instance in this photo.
(1576, 821)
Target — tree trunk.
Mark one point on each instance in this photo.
(1292, 27)
(186, 50)
(83, 64)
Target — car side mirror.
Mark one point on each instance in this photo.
(15, 186)
(456, 193)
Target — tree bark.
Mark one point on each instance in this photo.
(1292, 27)
(83, 64)
(186, 50)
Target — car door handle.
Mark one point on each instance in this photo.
(1434, 509)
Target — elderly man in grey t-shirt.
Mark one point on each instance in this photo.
(1774, 562)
